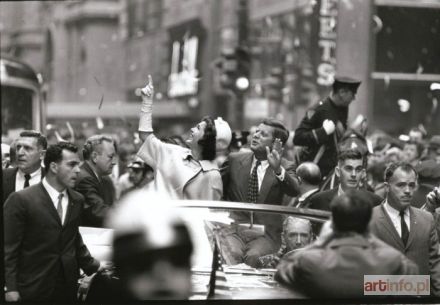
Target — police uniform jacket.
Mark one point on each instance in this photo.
(312, 135)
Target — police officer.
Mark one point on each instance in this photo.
(323, 125)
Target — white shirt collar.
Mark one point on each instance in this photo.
(263, 163)
(53, 193)
(394, 212)
(33, 175)
(340, 190)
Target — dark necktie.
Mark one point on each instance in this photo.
(404, 227)
(60, 207)
(252, 194)
(27, 177)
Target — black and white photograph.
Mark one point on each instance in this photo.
(232, 151)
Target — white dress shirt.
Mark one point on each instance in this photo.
(53, 194)
(395, 217)
(261, 171)
(19, 179)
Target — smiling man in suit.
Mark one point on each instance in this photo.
(30, 149)
(261, 176)
(350, 171)
(410, 230)
(43, 247)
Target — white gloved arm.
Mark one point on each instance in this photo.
(145, 116)
(328, 126)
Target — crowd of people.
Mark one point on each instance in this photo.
(383, 195)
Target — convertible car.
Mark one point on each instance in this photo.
(204, 219)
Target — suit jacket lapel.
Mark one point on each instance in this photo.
(47, 201)
(244, 173)
(388, 225)
(10, 182)
(97, 180)
(412, 228)
(268, 180)
(72, 201)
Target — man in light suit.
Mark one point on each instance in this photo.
(93, 183)
(261, 176)
(43, 247)
(30, 149)
(410, 230)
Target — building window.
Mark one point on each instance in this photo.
(407, 62)
(409, 40)
(143, 16)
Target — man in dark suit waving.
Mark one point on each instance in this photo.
(410, 230)
(261, 176)
(43, 247)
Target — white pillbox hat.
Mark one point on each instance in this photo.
(224, 133)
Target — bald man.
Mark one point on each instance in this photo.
(297, 233)
(309, 177)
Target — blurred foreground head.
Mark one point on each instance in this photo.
(151, 247)
(351, 212)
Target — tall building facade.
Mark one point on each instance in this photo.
(95, 55)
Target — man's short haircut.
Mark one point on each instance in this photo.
(351, 154)
(41, 139)
(208, 141)
(92, 144)
(404, 166)
(309, 172)
(419, 146)
(55, 152)
(280, 131)
(351, 212)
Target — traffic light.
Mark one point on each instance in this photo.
(235, 67)
(275, 85)
(243, 69)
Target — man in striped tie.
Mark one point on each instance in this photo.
(43, 247)
(261, 176)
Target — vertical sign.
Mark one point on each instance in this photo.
(325, 33)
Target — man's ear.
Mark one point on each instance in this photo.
(338, 171)
(53, 167)
(42, 154)
(93, 156)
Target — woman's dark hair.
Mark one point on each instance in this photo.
(207, 142)
(54, 153)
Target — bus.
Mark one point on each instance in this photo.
(22, 105)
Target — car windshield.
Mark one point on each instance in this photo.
(209, 223)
